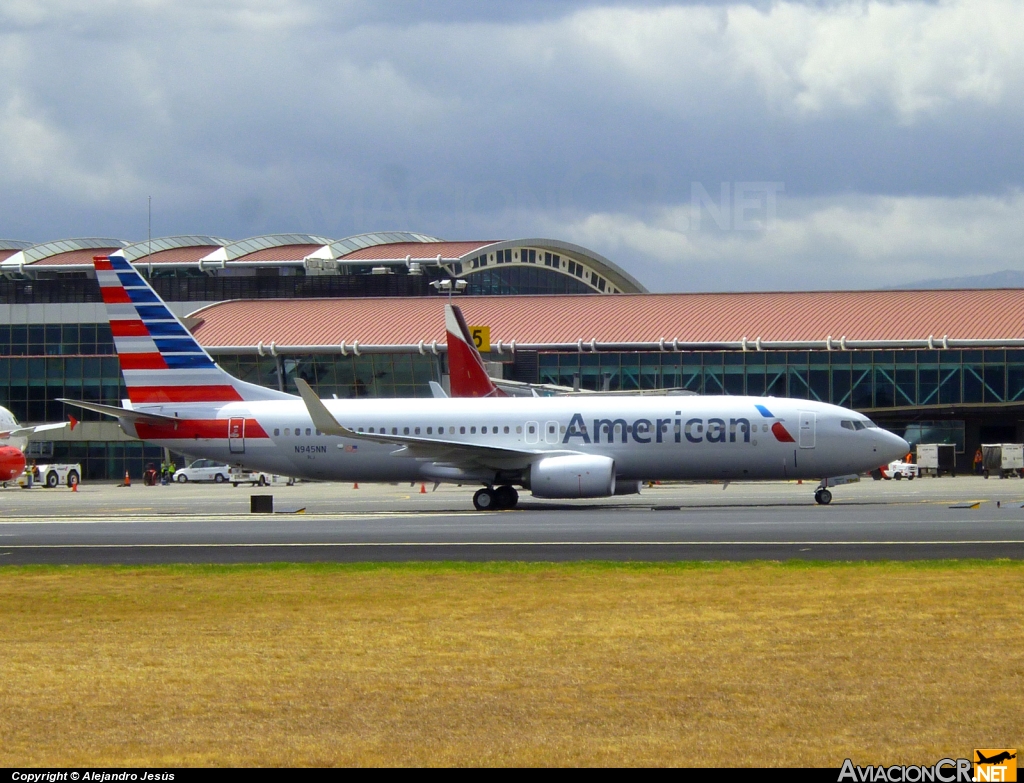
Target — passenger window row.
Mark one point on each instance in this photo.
(484, 430)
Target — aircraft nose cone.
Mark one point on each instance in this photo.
(893, 446)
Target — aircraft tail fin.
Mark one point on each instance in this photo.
(466, 369)
(160, 359)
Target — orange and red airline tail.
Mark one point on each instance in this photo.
(466, 369)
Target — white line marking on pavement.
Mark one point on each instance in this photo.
(395, 544)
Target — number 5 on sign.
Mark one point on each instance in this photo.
(481, 338)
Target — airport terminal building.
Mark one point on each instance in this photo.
(362, 316)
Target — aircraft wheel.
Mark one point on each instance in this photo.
(506, 497)
(823, 497)
(485, 500)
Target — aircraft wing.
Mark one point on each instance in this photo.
(121, 413)
(434, 449)
(21, 432)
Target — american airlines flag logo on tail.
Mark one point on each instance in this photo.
(160, 359)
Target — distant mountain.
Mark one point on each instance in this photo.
(1008, 278)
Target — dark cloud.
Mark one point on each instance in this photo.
(492, 119)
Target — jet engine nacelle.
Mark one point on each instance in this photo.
(12, 463)
(575, 476)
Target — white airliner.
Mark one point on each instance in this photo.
(557, 447)
(14, 440)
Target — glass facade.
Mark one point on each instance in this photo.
(56, 340)
(372, 375)
(524, 280)
(30, 385)
(191, 285)
(863, 380)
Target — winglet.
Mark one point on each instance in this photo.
(73, 421)
(322, 418)
(437, 390)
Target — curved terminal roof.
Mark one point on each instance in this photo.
(745, 321)
(448, 251)
(462, 259)
(354, 254)
(164, 250)
(359, 241)
(8, 247)
(275, 243)
(63, 252)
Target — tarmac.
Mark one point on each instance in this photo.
(924, 519)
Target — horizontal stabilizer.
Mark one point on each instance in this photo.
(121, 413)
(22, 432)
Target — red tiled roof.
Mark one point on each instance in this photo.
(75, 256)
(399, 250)
(856, 315)
(177, 255)
(5, 254)
(280, 253)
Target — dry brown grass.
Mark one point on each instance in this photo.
(509, 664)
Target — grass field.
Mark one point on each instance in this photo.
(738, 664)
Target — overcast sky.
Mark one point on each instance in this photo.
(701, 146)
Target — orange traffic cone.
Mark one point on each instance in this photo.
(356, 485)
(127, 479)
(423, 488)
(74, 486)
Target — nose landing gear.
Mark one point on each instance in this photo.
(822, 496)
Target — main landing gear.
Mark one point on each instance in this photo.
(822, 496)
(495, 499)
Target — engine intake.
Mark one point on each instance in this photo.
(575, 476)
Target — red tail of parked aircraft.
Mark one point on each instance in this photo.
(468, 376)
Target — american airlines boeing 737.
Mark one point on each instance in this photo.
(556, 447)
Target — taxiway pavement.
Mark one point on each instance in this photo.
(964, 517)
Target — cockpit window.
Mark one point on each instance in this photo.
(857, 424)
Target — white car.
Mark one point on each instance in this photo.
(203, 470)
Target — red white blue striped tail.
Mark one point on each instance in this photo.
(161, 361)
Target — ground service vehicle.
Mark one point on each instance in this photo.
(51, 475)
(556, 447)
(203, 470)
(1002, 459)
(257, 478)
(936, 459)
(898, 469)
